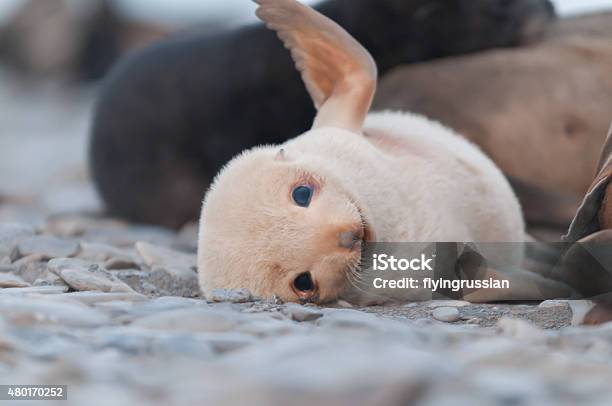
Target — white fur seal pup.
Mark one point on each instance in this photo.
(290, 220)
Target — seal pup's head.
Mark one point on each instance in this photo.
(273, 221)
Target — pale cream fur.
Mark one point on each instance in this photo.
(398, 178)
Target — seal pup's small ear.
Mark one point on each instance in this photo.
(338, 72)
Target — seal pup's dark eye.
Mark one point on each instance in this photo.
(303, 282)
(301, 195)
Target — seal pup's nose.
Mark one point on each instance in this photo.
(348, 239)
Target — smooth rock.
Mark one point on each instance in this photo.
(8, 280)
(32, 311)
(447, 303)
(47, 246)
(126, 237)
(48, 278)
(187, 239)
(232, 296)
(554, 303)
(43, 290)
(175, 281)
(300, 313)
(29, 260)
(33, 270)
(97, 252)
(10, 236)
(117, 263)
(157, 256)
(447, 314)
(92, 296)
(351, 319)
(81, 275)
(196, 319)
(152, 343)
(521, 329)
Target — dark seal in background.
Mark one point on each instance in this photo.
(171, 115)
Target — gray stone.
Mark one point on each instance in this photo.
(187, 239)
(10, 236)
(126, 237)
(137, 280)
(30, 259)
(33, 311)
(120, 264)
(41, 290)
(173, 272)
(521, 329)
(97, 252)
(157, 256)
(447, 314)
(91, 297)
(175, 281)
(48, 278)
(170, 303)
(75, 225)
(47, 247)
(554, 303)
(31, 270)
(350, 319)
(81, 275)
(196, 319)
(8, 280)
(113, 305)
(447, 303)
(152, 343)
(300, 313)
(232, 296)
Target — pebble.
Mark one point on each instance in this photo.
(521, 329)
(81, 275)
(118, 263)
(49, 279)
(232, 296)
(448, 303)
(8, 280)
(92, 297)
(446, 314)
(157, 256)
(175, 281)
(98, 252)
(125, 237)
(10, 236)
(43, 290)
(554, 303)
(33, 311)
(47, 247)
(301, 313)
(198, 319)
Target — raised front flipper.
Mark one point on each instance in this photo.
(338, 72)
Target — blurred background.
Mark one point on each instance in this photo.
(53, 54)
